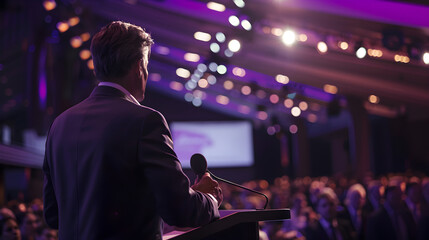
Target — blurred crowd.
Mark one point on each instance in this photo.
(331, 208)
(335, 208)
(20, 221)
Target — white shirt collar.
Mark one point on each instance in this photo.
(128, 95)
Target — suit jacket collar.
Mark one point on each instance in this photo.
(106, 91)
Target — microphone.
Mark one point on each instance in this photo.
(198, 164)
(199, 167)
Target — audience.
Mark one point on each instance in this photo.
(334, 208)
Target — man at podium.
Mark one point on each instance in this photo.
(110, 168)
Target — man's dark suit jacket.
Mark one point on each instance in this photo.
(111, 173)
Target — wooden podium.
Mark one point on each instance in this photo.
(232, 225)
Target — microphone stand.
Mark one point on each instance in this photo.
(237, 185)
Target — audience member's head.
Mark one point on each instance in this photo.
(356, 196)
(393, 196)
(30, 223)
(414, 192)
(9, 229)
(46, 233)
(299, 201)
(314, 190)
(326, 204)
(6, 213)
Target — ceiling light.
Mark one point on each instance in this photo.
(289, 37)
(176, 86)
(221, 69)
(184, 73)
(214, 47)
(202, 67)
(62, 26)
(85, 54)
(282, 79)
(76, 42)
(343, 45)
(296, 111)
(234, 21)
(426, 58)
(49, 5)
(303, 106)
(361, 52)
(202, 36)
(216, 6)
(191, 57)
(293, 129)
(288, 103)
(203, 83)
(246, 25)
(239, 3)
(373, 99)
(224, 100)
(239, 72)
(274, 98)
(220, 37)
(228, 85)
(322, 47)
(234, 45)
(302, 37)
(246, 90)
(211, 79)
(162, 50)
(330, 89)
(213, 66)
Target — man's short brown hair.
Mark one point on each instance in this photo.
(116, 47)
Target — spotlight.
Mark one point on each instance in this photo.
(289, 37)
(246, 25)
(234, 21)
(234, 45)
(426, 57)
(322, 47)
(214, 47)
(343, 45)
(220, 37)
(361, 52)
(239, 3)
(202, 36)
(216, 6)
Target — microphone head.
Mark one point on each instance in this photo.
(198, 164)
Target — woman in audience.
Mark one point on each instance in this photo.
(9, 229)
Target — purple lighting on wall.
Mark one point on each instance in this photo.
(43, 91)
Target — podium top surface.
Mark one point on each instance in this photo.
(230, 218)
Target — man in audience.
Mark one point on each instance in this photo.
(391, 221)
(353, 214)
(375, 193)
(327, 227)
(413, 200)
